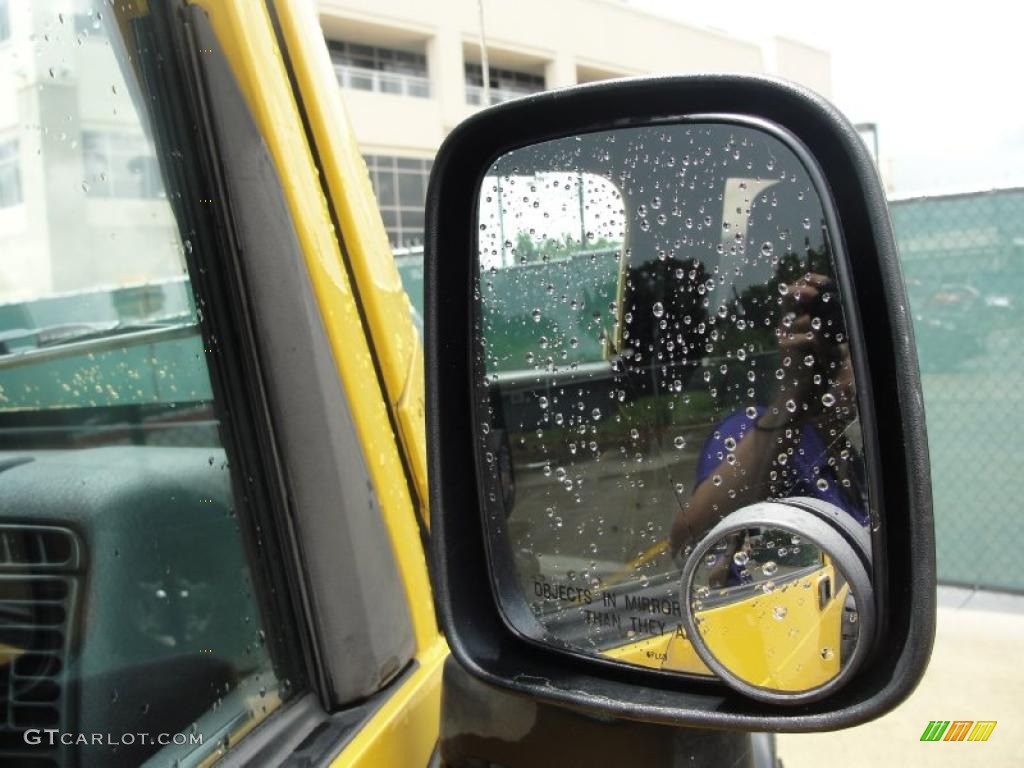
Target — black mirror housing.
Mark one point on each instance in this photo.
(464, 585)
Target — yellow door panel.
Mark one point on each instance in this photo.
(668, 651)
(775, 640)
(404, 731)
(783, 655)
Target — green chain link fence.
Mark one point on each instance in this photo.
(963, 261)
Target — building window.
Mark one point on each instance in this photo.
(120, 165)
(400, 184)
(386, 70)
(505, 84)
(10, 174)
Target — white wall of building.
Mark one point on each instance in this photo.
(60, 84)
(567, 41)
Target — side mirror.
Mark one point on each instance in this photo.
(677, 458)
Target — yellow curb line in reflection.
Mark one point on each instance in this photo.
(649, 554)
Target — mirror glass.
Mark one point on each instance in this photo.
(660, 340)
(774, 609)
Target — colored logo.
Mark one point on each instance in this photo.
(958, 730)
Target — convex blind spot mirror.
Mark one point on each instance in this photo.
(779, 601)
(668, 360)
(662, 341)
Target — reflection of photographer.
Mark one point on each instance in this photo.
(730, 566)
(799, 444)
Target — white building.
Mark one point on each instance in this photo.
(412, 70)
(77, 174)
(409, 70)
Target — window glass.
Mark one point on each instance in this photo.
(400, 185)
(119, 165)
(411, 190)
(386, 70)
(10, 174)
(505, 84)
(130, 597)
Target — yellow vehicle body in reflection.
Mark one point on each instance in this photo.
(785, 640)
(666, 652)
(784, 654)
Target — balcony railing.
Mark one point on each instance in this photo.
(475, 94)
(381, 81)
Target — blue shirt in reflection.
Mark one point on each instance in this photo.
(808, 462)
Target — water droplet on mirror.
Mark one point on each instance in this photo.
(770, 568)
(658, 309)
(679, 442)
(826, 653)
(535, 315)
(779, 612)
(741, 558)
(828, 399)
(822, 484)
(542, 401)
(730, 442)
